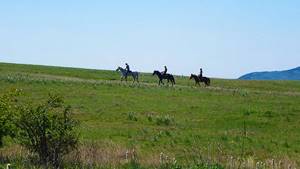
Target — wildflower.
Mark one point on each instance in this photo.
(174, 161)
(126, 155)
(161, 156)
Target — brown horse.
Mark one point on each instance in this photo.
(198, 79)
(160, 76)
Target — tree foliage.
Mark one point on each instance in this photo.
(7, 109)
(48, 130)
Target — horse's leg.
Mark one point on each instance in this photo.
(137, 78)
(133, 79)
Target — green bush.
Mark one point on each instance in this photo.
(47, 130)
(132, 116)
(6, 114)
(164, 120)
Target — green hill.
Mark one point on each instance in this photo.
(256, 120)
(292, 74)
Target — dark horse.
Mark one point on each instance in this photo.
(199, 79)
(169, 77)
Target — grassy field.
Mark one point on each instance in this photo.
(254, 120)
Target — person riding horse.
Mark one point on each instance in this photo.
(127, 69)
(165, 71)
(201, 73)
(125, 74)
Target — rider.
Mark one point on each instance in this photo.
(165, 71)
(201, 73)
(127, 69)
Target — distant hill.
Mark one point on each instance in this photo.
(292, 74)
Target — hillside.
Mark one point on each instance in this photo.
(292, 74)
(256, 120)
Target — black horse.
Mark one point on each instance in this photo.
(160, 76)
(199, 79)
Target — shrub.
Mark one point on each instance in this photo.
(149, 117)
(48, 130)
(132, 116)
(6, 114)
(164, 120)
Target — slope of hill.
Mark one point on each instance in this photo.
(259, 121)
(292, 74)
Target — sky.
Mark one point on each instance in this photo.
(227, 38)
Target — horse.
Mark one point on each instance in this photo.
(125, 74)
(160, 76)
(196, 78)
(199, 79)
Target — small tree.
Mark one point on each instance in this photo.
(7, 103)
(48, 130)
(4, 119)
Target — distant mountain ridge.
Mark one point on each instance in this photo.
(292, 74)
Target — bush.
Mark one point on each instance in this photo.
(164, 120)
(48, 130)
(6, 114)
(132, 116)
(4, 120)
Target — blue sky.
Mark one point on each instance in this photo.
(227, 38)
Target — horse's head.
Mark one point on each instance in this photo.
(193, 76)
(155, 72)
(118, 69)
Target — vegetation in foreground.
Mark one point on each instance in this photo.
(228, 123)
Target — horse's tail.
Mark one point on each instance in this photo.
(173, 79)
(137, 76)
(208, 81)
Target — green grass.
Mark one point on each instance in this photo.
(175, 120)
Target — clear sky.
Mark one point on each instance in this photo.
(226, 37)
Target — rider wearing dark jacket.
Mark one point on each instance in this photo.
(165, 71)
(127, 68)
(201, 73)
